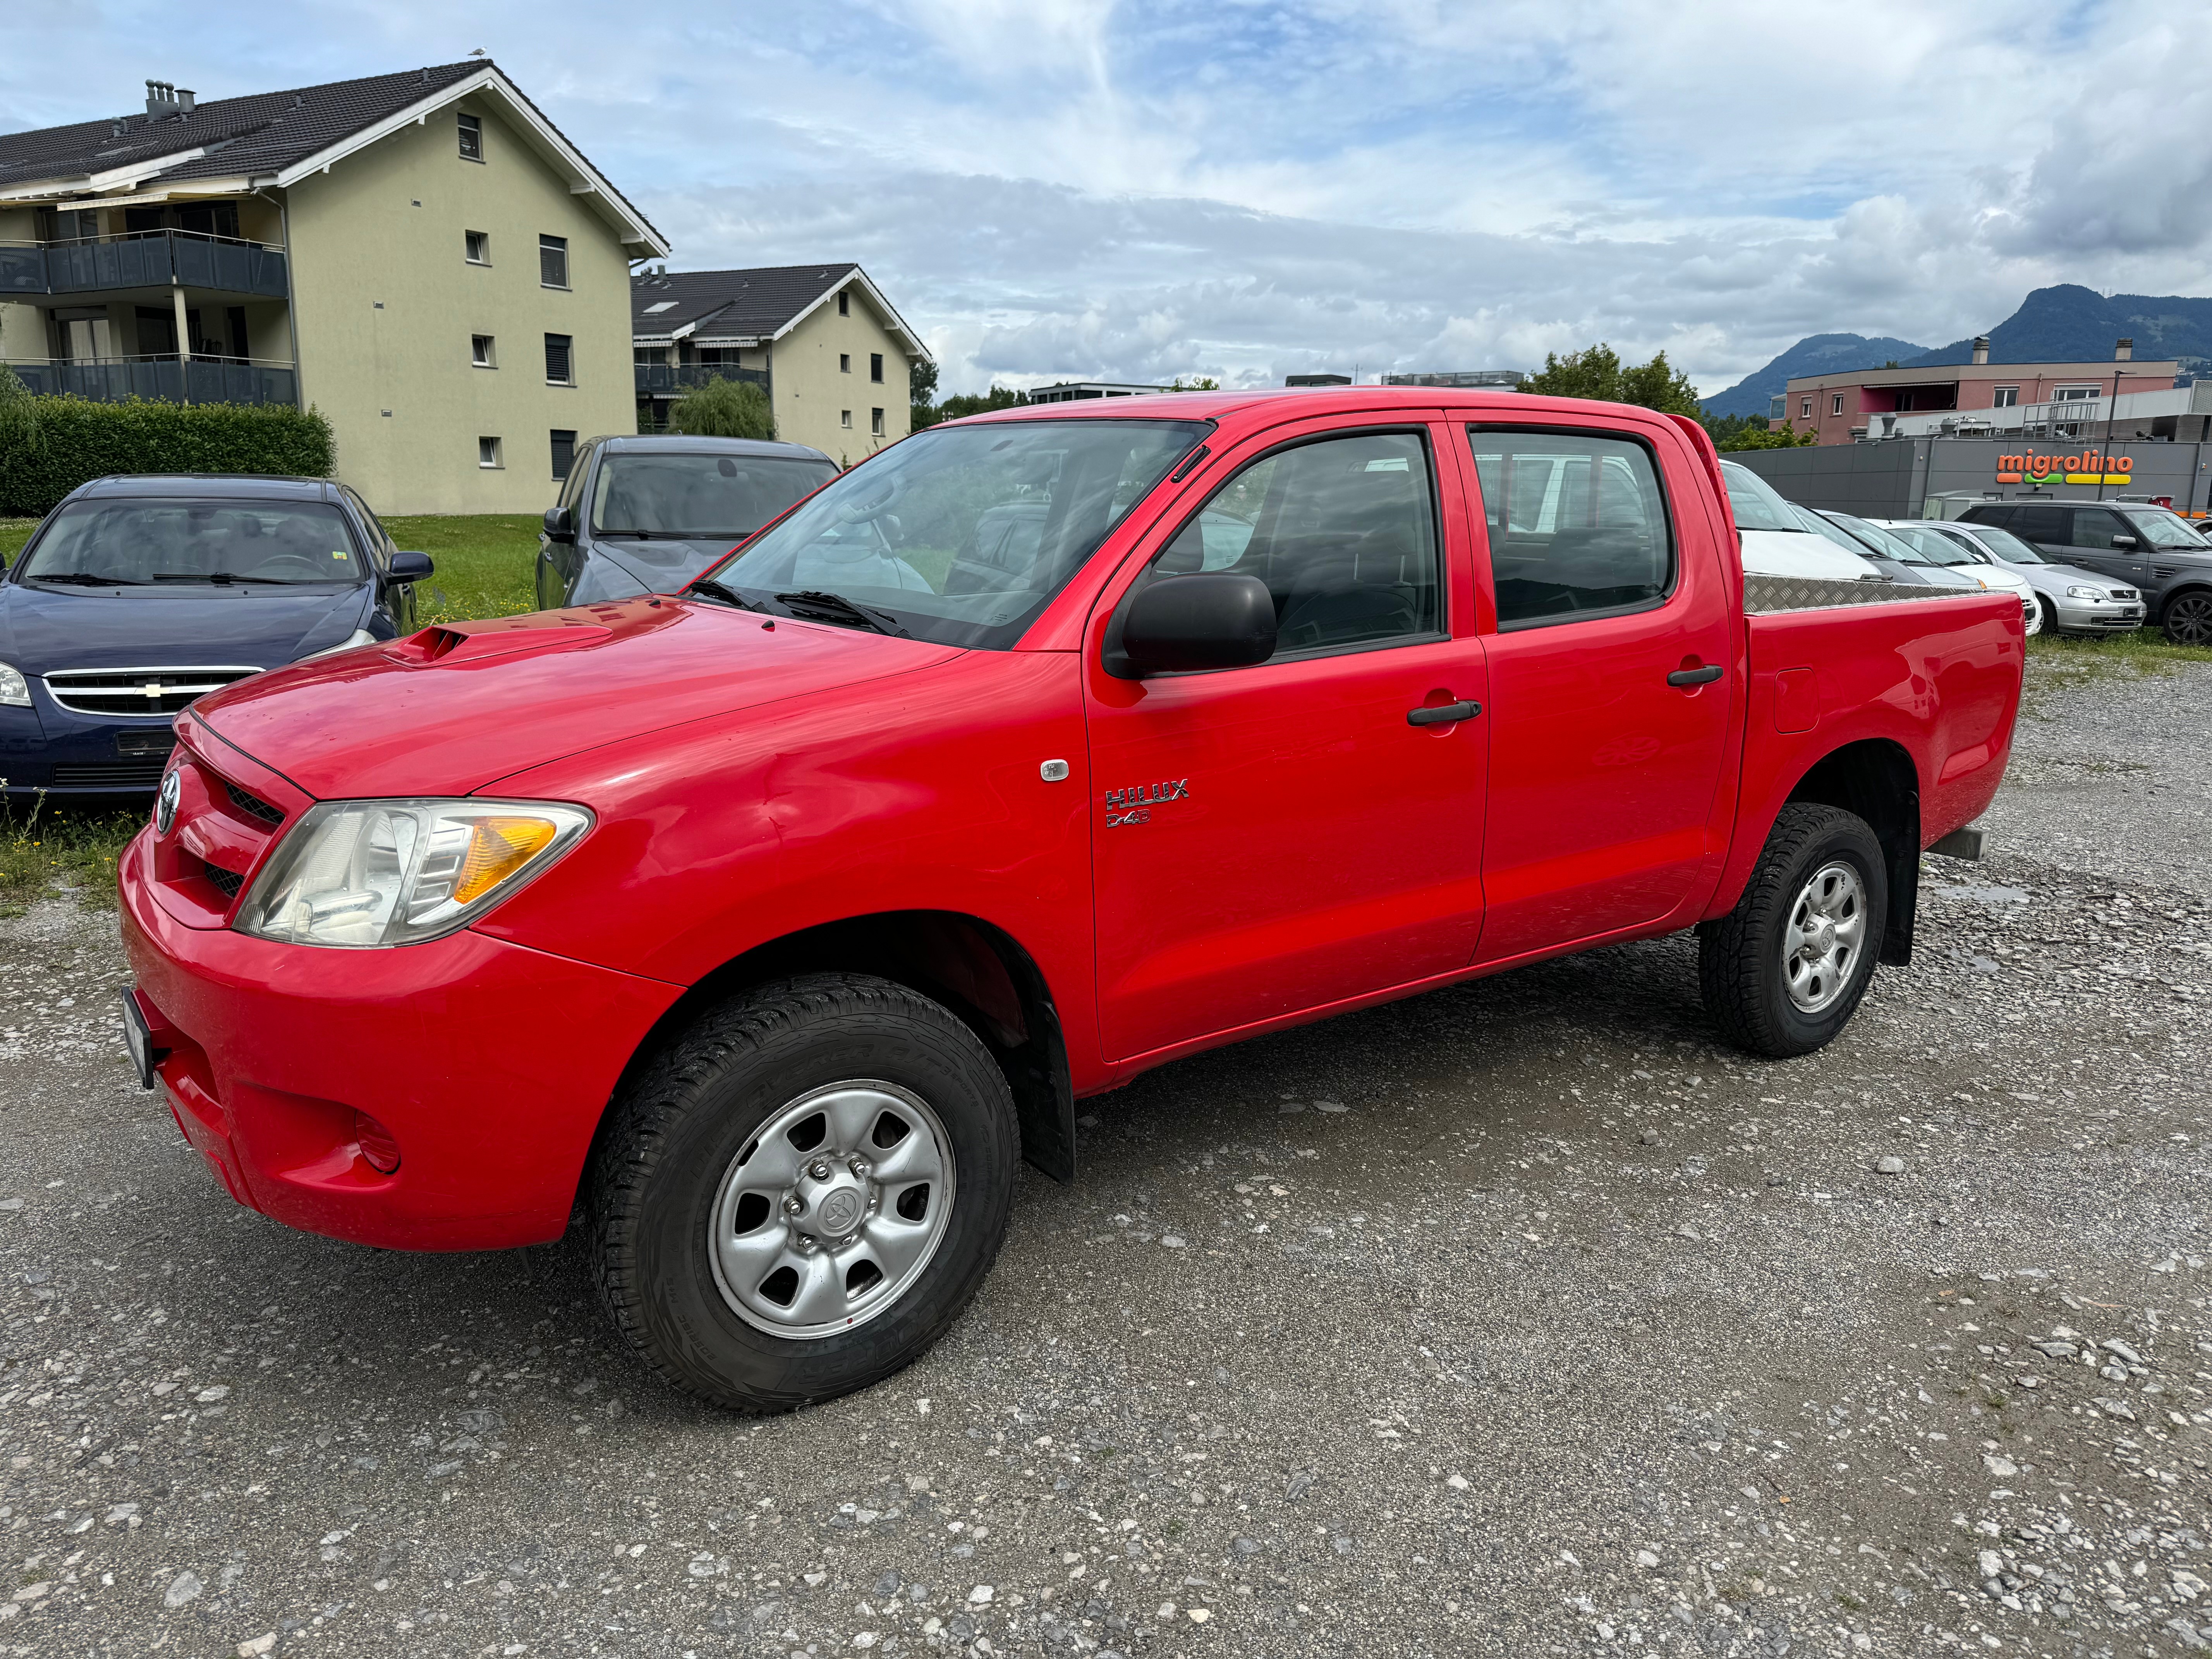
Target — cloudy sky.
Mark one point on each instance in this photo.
(1051, 188)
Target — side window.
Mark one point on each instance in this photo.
(2095, 526)
(2046, 525)
(1342, 530)
(1577, 524)
(380, 544)
(572, 491)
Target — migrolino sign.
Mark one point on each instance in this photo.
(2090, 466)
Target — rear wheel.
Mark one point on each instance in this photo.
(2188, 619)
(802, 1193)
(1783, 973)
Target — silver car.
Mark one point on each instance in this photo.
(2074, 600)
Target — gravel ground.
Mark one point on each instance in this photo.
(1519, 1318)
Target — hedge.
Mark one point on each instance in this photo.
(49, 446)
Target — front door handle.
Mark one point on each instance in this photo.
(1704, 676)
(1447, 714)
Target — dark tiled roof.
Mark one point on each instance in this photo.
(745, 303)
(262, 133)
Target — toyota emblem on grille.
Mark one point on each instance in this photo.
(165, 804)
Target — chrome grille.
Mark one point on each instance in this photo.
(148, 691)
(2125, 593)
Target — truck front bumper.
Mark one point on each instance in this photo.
(486, 1065)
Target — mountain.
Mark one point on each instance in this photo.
(2071, 324)
(1822, 354)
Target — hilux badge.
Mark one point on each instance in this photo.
(165, 804)
(1134, 805)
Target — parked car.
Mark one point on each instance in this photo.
(1899, 561)
(2145, 548)
(1968, 562)
(772, 925)
(136, 595)
(2072, 601)
(645, 514)
(1777, 542)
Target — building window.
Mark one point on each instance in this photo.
(844, 363)
(2075, 394)
(1836, 406)
(471, 138)
(844, 304)
(844, 419)
(564, 454)
(478, 245)
(553, 261)
(1804, 409)
(2007, 397)
(487, 453)
(480, 352)
(875, 366)
(559, 369)
(876, 423)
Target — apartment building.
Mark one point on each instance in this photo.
(820, 340)
(1860, 404)
(423, 256)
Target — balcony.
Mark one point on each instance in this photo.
(143, 260)
(666, 380)
(170, 379)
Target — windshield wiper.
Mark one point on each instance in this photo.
(707, 587)
(223, 578)
(837, 608)
(679, 535)
(83, 578)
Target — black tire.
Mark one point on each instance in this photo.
(2188, 618)
(1741, 957)
(671, 1138)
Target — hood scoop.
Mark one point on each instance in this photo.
(460, 644)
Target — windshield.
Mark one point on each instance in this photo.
(2163, 529)
(2002, 543)
(1935, 544)
(177, 543)
(696, 495)
(1879, 539)
(1755, 503)
(960, 534)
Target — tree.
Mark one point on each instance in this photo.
(1597, 372)
(921, 390)
(21, 439)
(1749, 431)
(723, 408)
(1196, 383)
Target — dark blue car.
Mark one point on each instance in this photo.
(136, 595)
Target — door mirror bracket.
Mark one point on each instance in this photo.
(1188, 623)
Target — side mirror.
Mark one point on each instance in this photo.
(561, 523)
(410, 567)
(2123, 542)
(1208, 619)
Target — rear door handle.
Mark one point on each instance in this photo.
(1447, 714)
(1704, 676)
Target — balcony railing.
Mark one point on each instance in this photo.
(152, 258)
(664, 380)
(170, 379)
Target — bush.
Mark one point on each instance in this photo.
(723, 409)
(62, 442)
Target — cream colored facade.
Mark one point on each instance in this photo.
(388, 305)
(430, 351)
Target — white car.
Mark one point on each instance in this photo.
(1999, 577)
(1776, 542)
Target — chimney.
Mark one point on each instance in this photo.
(161, 100)
(2124, 351)
(1981, 348)
(185, 96)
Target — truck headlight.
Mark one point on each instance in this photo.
(372, 873)
(14, 689)
(2078, 592)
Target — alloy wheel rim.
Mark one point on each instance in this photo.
(832, 1213)
(2190, 620)
(1823, 937)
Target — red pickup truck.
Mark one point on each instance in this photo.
(767, 924)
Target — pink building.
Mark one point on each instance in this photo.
(1842, 407)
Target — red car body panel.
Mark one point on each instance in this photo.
(1228, 853)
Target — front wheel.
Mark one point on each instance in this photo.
(2188, 619)
(801, 1193)
(1783, 973)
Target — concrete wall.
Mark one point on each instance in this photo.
(811, 394)
(1896, 480)
(386, 303)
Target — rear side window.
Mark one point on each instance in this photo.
(2047, 525)
(1577, 524)
(1342, 531)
